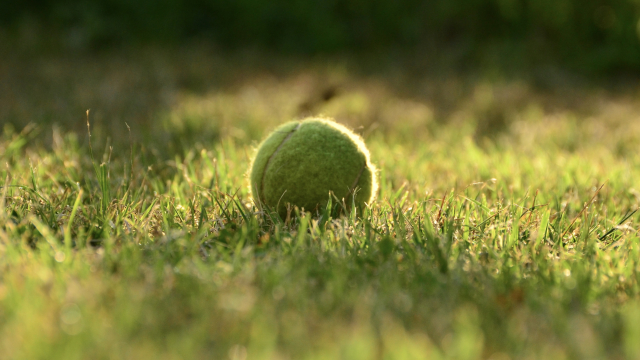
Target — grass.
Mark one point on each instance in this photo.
(505, 225)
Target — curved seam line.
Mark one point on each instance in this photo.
(264, 172)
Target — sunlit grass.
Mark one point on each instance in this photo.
(504, 226)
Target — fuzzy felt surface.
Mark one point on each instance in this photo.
(301, 162)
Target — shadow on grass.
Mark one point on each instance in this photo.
(175, 98)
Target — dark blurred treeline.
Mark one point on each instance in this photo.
(596, 35)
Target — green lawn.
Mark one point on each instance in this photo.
(504, 228)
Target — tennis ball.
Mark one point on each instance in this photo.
(302, 162)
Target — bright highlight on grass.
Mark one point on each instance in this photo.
(505, 224)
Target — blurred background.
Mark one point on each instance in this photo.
(187, 71)
(588, 35)
(513, 103)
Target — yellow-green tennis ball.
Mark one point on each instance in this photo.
(302, 162)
